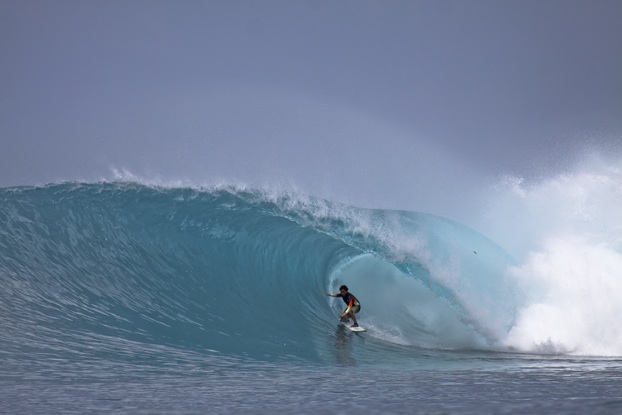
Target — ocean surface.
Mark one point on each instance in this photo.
(123, 298)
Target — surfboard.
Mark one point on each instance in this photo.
(349, 326)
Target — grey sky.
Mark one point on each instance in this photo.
(377, 103)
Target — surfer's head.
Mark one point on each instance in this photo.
(343, 288)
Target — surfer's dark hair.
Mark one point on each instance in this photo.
(343, 287)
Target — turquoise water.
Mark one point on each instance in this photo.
(127, 298)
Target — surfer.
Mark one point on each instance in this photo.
(353, 304)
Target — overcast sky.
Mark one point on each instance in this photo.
(378, 103)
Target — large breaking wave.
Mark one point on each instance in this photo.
(101, 269)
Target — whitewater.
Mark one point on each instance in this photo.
(131, 297)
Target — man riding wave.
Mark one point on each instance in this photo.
(353, 304)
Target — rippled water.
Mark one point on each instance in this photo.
(435, 383)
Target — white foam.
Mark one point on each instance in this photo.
(575, 291)
(567, 233)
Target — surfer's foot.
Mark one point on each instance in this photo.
(355, 325)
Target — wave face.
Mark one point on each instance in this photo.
(97, 270)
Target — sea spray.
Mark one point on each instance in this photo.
(566, 232)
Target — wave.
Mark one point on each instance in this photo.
(109, 269)
(232, 270)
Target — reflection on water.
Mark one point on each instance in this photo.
(344, 345)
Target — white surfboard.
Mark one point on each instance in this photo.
(349, 326)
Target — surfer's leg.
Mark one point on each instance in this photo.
(346, 318)
(353, 312)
